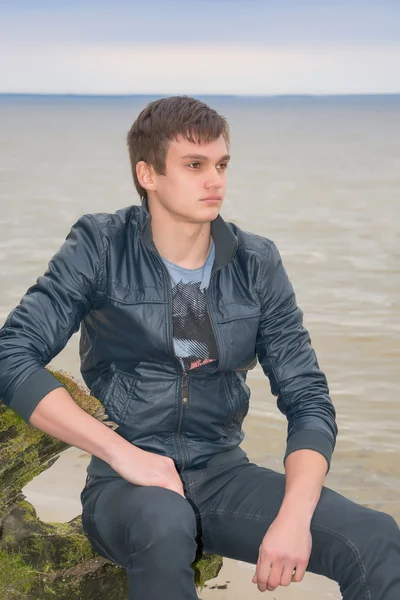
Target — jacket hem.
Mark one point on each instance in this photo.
(100, 468)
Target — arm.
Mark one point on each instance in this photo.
(288, 359)
(37, 330)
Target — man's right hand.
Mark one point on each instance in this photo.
(147, 468)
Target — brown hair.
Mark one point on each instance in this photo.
(163, 120)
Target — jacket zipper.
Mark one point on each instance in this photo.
(185, 399)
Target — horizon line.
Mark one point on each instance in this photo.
(152, 95)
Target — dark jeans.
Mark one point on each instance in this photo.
(155, 533)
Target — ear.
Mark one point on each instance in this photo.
(145, 175)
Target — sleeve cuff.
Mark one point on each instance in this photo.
(32, 391)
(310, 439)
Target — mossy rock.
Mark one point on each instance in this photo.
(49, 561)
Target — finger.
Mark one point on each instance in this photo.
(274, 578)
(299, 573)
(179, 484)
(267, 569)
(176, 488)
(287, 575)
(254, 580)
(263, 571)
(255, 577)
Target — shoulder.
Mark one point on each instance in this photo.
(120, 219)
(109, 227)
(99, 232)
(250, 243)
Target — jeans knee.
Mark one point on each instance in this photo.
(166, 521)
(384, 527)
(171, 530)
(374, 532)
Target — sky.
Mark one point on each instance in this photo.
(243, 47)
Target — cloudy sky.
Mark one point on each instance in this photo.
(210, 47)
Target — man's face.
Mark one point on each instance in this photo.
(194, 185)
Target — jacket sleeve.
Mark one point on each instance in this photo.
(46, 317)
(285, 353)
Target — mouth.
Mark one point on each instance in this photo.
(212, 199)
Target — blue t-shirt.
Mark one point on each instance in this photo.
(194, 341)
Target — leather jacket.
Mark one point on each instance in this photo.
(109, 279)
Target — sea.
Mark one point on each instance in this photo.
(319, 175)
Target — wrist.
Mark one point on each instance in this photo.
(118, 447)
(292, 509)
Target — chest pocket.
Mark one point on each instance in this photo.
(133, 323)
(238, 326)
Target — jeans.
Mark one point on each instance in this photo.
(156, 534)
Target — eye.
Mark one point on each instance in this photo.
(194, 163)
(223, 166)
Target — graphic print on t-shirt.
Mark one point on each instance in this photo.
(193, 334)
(194, 342)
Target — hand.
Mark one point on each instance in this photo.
(286, 546)
(147, 468)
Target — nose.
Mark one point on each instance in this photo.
(214, 179)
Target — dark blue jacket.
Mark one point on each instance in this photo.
(108, 278)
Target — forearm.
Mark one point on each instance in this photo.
(58, 415)
(305, 474)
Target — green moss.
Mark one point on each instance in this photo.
(16, 577)
(78, 392)
(61, 529)
(52, 551)
(29, 511)
(9, 419)
(61, 545)
(206, 568)
(76, 552)
(27, 436)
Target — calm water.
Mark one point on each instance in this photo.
(321, 177)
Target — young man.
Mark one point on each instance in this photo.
(175, 305)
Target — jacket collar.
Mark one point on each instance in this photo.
(225, 240)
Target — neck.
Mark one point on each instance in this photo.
(181, 243)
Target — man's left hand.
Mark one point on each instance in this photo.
(285, 547)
